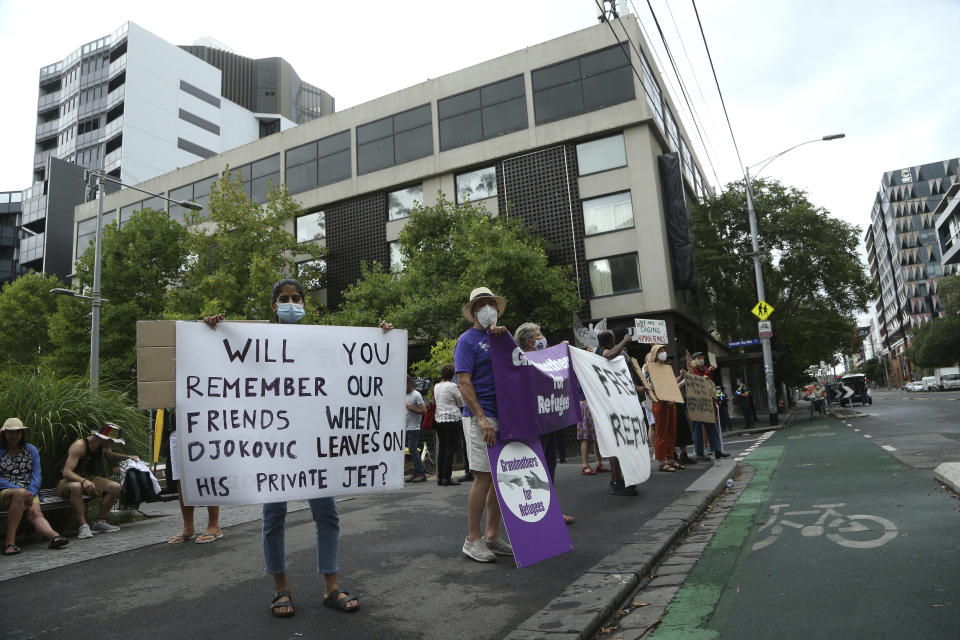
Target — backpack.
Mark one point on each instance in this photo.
(428, 417)
(138, 488)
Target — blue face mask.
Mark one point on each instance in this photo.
(290, 313)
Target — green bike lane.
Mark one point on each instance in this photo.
(818, 570)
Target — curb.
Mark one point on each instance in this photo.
(948, 473)
(584, 605)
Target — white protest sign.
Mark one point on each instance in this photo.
(275, 412)
(618, 417)
(650, 331)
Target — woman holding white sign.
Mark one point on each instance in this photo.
(287, 300)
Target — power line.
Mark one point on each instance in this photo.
(717, 82)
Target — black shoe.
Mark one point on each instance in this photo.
(702, 458)
(443, 483)
(453, 483)
(721, 454)
(618, 489)
(685, 459)
(467, 477)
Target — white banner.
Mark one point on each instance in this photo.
(274, 412)
(649, 331)
(619, 419)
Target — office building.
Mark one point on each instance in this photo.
(136, 107)
(947, 216)
(10, 207)
(904, 254)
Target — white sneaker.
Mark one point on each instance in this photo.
(478, 551)
(84, 531)
(499, 546)
(102, 526)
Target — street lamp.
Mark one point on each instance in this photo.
(95, 298)
(758, 268)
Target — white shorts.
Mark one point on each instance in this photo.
(476, 447)
(174, 456)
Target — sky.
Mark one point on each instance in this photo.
(881, 71)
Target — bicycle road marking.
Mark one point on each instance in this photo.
(887, 447)
(812, 435)
(830, 518)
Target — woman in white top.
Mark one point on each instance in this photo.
(447, 422)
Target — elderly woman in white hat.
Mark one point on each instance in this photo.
(20, 486)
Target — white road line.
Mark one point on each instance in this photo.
(857, 430)
(887, 447)
(867, 436)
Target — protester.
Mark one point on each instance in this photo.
(474, 369)
(587, 437)
(448, 423)
(665, 415)
(84, 457)
(415, 412)
(529, 338)
(187, 532)
(609, 348)
(20, 487)
(287, 300)
(700, 368)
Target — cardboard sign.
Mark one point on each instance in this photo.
(528, 503)
(535, 390)
(275, 412)
(650, 331)
(618, 417)
(700, 392)
(664, 382)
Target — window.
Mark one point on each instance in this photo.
(396, 258)
(611, 276)
(687, 160)
(128, 211)
(592, 81)
(319, 163)
(198, 192)
(399, 203)
(609, 213)
(393, 140)
(312, 274)
(601, 155)
(479, 114)
(311, 226)
(672, 134)
(258, 176)
(477, 185)
(87, 232)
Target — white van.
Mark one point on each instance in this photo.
(929, 383)
(950, 382)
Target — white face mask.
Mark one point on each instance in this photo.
(487, 316)
(540, 344)
(662, 356)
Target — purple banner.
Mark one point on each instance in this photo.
(535, 390)
(529, 506)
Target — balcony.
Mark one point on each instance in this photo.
(112, 160)
(115, 97)
(31, 248)
(48, 100)
(47, 129)
(40, 160)
(113, 127)
(117, 66)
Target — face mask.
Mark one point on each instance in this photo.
(487, 316)
(662, 356)
(290, 313)
(698, 362)
(540, 344)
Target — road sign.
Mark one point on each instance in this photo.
(744, 343)
(766, 329)
(762, 310)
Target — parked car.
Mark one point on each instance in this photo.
(915, 386)
(929, 383)
(950, 381)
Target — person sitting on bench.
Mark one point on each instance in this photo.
(20, 486)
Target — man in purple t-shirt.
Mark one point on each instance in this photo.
(471, 358)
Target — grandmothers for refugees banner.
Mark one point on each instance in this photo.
(618, 418)
(273, 412)
(535, 394)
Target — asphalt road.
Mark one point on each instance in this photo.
(841, 533)
(400, 552)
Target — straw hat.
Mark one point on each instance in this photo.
(12, 424)
(480, 293)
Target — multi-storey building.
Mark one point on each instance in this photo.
(136, 107)
(10, 207)
(948, 225)
(904, 253)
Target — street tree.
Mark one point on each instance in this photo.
(238, 253)
(140, 262)
(937, 343)
(449, 250)
(813, 276)
(26, 305)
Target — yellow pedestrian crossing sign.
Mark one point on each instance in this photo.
(762, 310)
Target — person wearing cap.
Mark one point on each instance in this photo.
(85, 457)
(20, 486)
(471, 359)
(700, 368)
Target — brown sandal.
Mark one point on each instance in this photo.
(667, 467)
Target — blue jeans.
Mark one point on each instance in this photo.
(327, 523)
(712, 435)
(413, 439)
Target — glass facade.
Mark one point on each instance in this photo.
(607, 213)
(482, 113)
(319, 163)
(400, 202)
(393, 140)
(477, 185)
(311, 226)
(150, 203)
(312, 274)
(614, 275)
(87, 233)
(601, 155)
(198, 192)
(593, 81)
(258, 177)
(396, 258)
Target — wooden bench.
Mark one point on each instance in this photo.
(51, 504)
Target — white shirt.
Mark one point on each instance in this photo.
(414, 399)
(449, 402)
